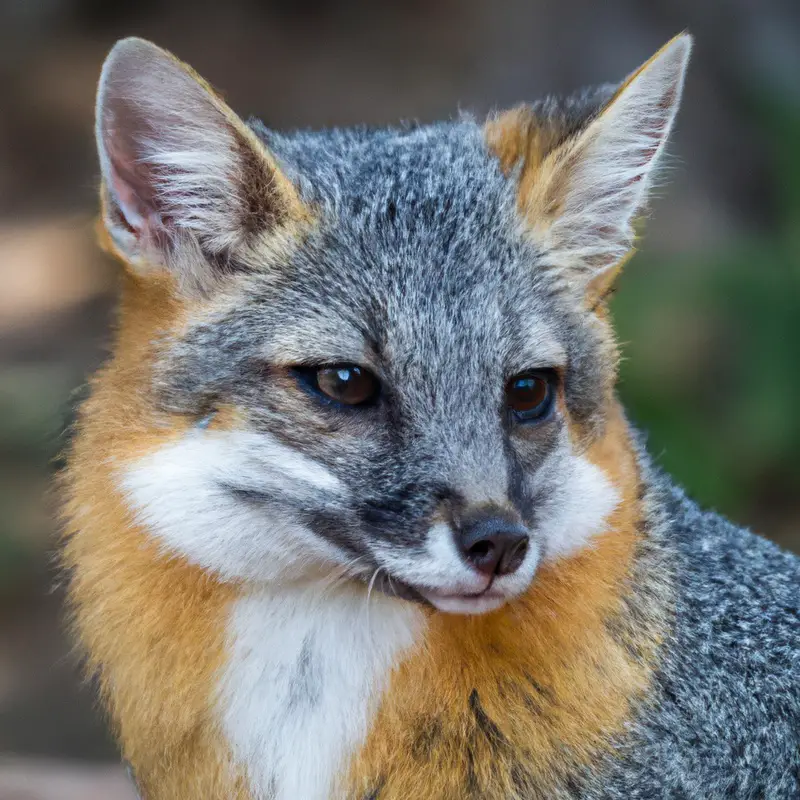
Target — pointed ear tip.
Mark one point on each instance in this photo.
(127, 61)
(130, 51)
(123, 61)
(678, 48)
(669, 62)
(133, 45)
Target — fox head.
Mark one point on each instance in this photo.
(381, 355)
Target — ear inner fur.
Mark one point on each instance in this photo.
(183, 185)
(581, 181)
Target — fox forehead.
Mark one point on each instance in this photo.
(356, 170)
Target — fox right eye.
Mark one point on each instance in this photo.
(345, 384)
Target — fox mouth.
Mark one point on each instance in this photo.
(488, 599)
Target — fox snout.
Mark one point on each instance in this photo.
(492, 543)
(472, 559)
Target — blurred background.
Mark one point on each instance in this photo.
(708, 311)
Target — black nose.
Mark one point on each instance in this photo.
(493, 545)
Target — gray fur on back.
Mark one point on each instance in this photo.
(724, 719)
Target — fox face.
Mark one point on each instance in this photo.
(385, 355)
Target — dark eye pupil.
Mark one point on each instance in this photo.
(347, 384)
(529, 396)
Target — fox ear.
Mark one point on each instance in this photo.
(187, 187)
(583, 181)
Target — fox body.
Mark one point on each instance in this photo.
(353, 510)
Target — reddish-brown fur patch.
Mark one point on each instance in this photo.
(152, 626)
(545, 154)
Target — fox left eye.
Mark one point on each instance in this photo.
(530, 396)
(347, 384)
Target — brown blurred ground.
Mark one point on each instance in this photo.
(320, 62)
(27, 779)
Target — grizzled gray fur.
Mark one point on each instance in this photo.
(724, 718)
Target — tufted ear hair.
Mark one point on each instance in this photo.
(585, 166)
(187, 187)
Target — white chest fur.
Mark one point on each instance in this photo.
(304, 677)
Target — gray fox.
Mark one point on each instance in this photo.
(353, 511)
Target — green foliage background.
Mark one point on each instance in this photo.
(712, 357)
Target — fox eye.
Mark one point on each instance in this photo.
(530, 396)
(347, 384)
